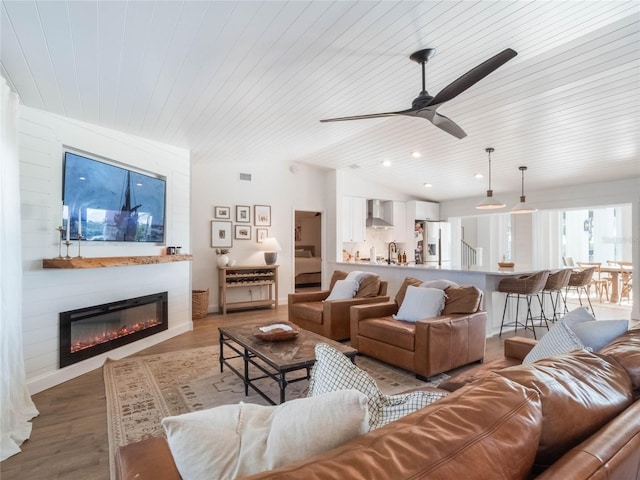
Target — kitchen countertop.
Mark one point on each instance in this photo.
(471, 269)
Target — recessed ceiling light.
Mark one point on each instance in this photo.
(428, 185)
(479, 175)
(138, 184)
(83, 178)
(416, 154)
(386, 163)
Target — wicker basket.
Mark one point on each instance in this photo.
(199, 303)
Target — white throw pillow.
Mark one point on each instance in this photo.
(559, 340)
(441, 284)
(358, 276)
(334, 371)
(598, 333)
(238, 440)
(343, 290)
(420, 303)
(578, 315)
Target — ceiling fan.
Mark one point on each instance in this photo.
(425, 106)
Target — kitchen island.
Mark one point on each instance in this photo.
(485, 278)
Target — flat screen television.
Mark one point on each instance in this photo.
(112, 203)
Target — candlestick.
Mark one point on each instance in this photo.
(68, 224)
(80, 237)
(67, 243)
(60, 230)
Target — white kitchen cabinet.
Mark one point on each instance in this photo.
(425, 210)
(396, 213)
(354, 218)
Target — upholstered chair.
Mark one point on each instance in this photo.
(428, 345)
(316, 312)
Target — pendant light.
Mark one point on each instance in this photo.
(522, 207)
(489, 203)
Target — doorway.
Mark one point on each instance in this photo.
(307, 250)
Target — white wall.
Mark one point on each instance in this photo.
(285, 189)
(47, 292)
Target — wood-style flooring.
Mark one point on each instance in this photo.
(69, 437)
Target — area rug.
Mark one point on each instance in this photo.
(142, 390)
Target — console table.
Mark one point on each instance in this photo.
(247, 276)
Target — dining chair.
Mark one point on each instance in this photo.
(626, 280)
(598, 281)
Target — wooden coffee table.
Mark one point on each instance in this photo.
(273, 359)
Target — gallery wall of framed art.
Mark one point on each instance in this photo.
(247, 219)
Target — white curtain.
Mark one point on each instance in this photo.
(16, 407)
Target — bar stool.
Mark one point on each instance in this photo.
(581, 282)
(523, 287)
(556, 283)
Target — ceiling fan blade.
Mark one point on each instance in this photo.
(442, 122)
(371, 115)
(473, 76)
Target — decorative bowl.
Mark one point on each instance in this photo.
(276, 332)
(506, 264)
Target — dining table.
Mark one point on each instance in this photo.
(615, 272)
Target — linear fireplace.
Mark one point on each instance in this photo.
(90, 331)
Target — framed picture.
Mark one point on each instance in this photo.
(262, 215)
(243, 232)
(222, 212)
(243, 214)
(261, 234)
(221, 234)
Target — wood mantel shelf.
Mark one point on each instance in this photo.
(101, 262)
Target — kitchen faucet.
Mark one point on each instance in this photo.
(395, 249)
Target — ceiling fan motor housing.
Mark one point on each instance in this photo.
(421, 101)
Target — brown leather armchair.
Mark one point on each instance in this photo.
(429, 346)
(310, 311)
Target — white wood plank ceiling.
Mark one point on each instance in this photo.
(248, 80)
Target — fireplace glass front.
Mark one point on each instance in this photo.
(90, 331)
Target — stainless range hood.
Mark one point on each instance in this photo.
(375, 215)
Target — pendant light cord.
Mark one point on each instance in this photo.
(489, 150)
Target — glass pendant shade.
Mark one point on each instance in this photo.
(522, 207)
(490, 202)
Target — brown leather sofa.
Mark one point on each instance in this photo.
(570, 417)
(427, 347)
(330, 319)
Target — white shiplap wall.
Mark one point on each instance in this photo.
(47, 292)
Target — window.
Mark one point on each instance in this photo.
(597, 234)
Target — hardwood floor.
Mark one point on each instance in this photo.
(69, 437)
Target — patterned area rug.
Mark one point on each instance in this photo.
(142, 390)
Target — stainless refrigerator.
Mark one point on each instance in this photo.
(432, 241)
